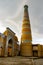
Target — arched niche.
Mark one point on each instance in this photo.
(10, 44)
(10, 41)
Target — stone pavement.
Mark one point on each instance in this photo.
(18, 60)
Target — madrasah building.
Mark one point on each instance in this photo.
(9, 44)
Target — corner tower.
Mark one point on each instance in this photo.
(26, 38)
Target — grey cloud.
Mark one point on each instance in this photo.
(7, 24)
(36, 16)
(9, 9)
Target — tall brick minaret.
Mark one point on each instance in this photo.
(26, 38)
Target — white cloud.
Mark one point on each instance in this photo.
(2, 28)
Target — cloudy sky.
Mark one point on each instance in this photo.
(11, 15)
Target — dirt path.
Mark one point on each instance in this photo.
(20, 61)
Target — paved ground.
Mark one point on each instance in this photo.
(20, 61)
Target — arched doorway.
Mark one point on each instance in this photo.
(10, 43)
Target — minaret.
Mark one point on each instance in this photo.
(26, 38)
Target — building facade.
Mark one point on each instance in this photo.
(9, 43)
